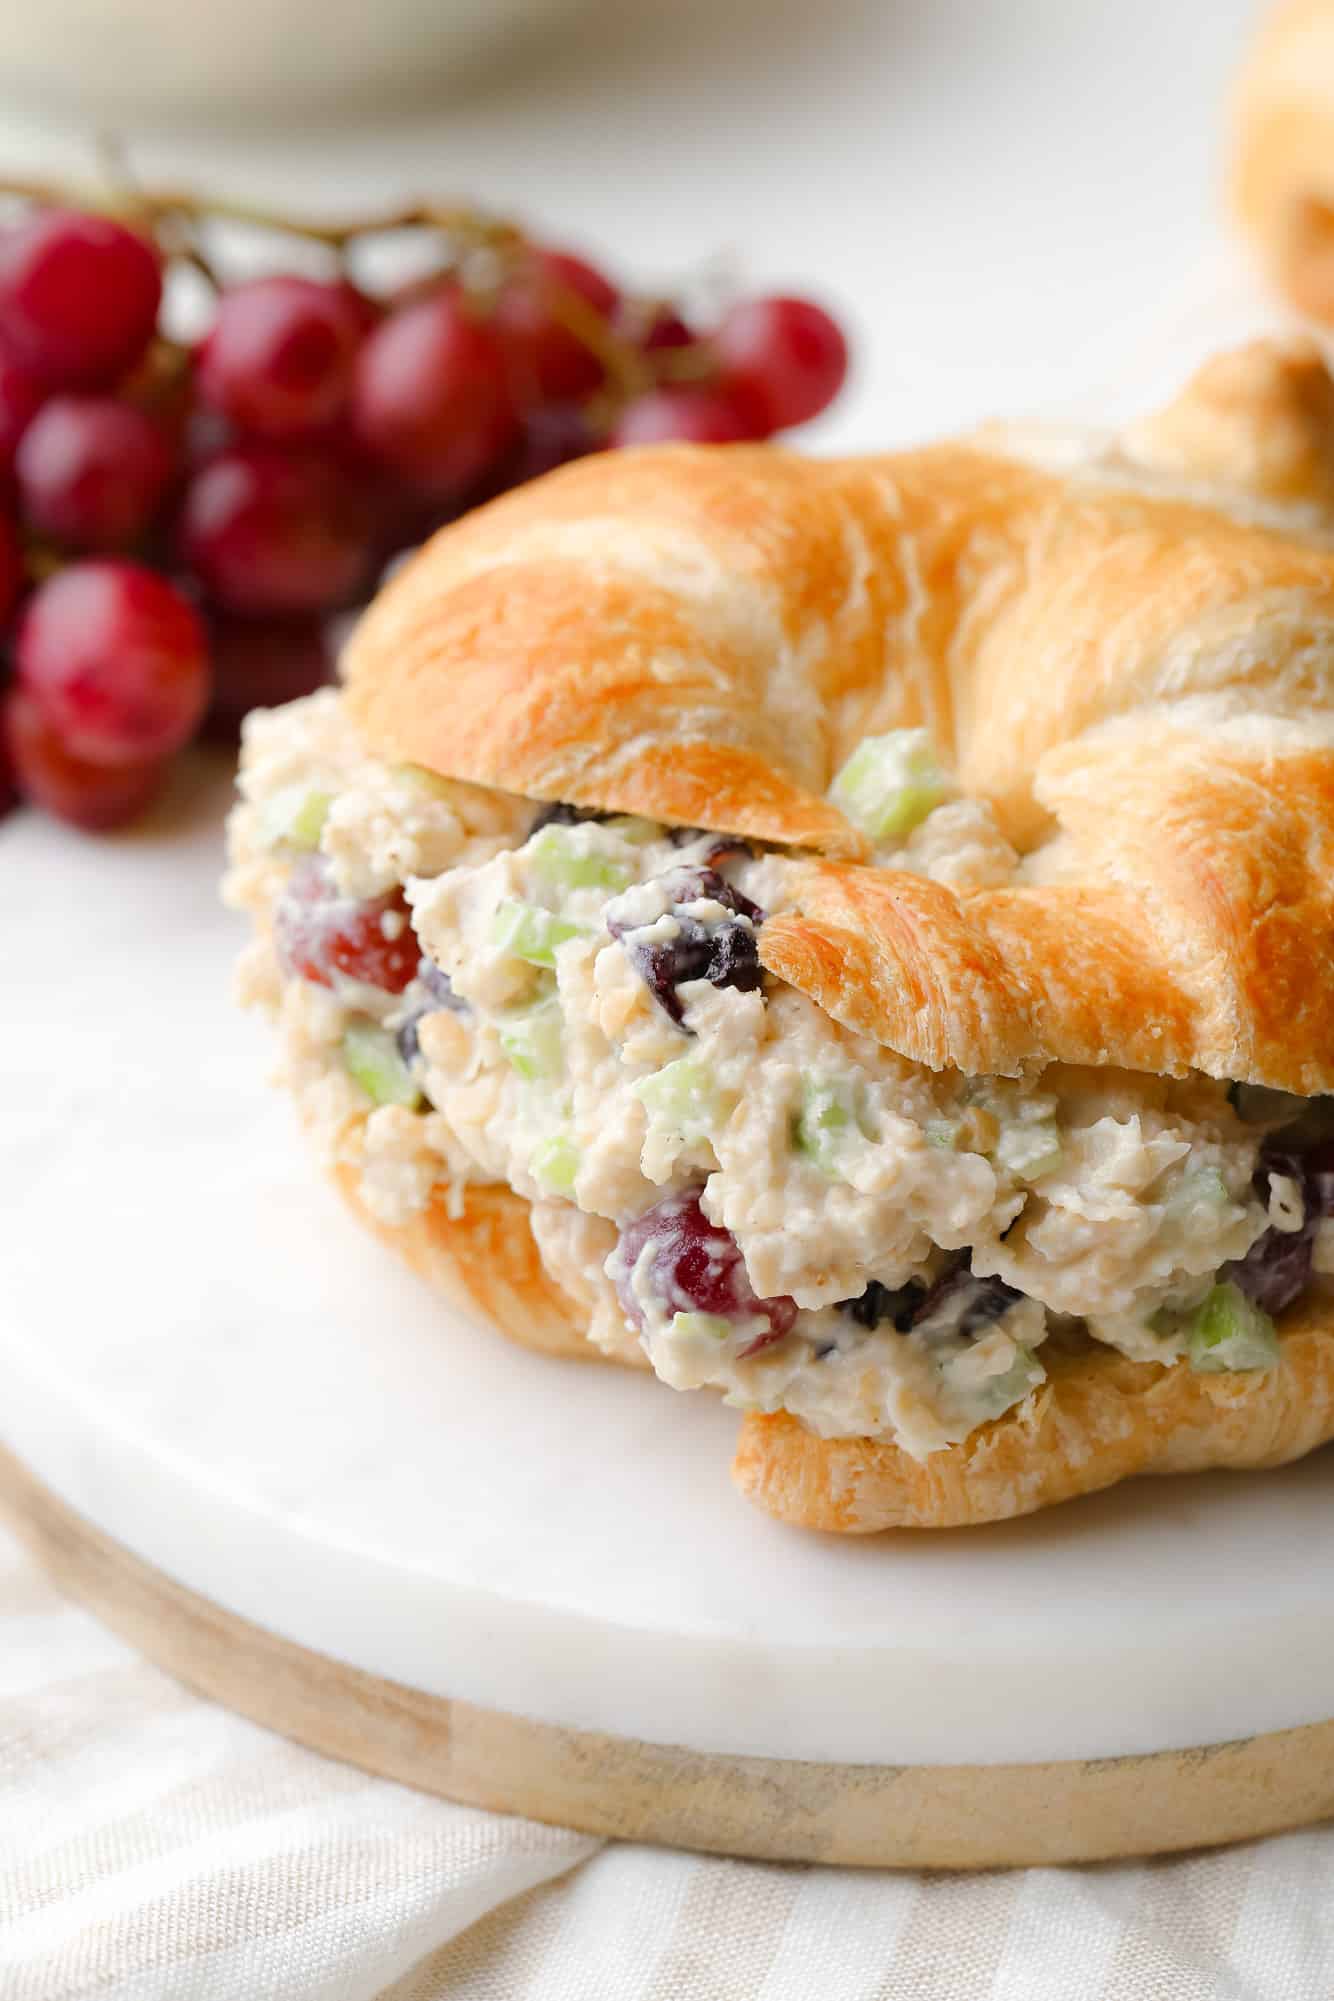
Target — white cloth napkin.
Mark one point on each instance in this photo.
(155, 1848)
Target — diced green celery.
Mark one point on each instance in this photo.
(564, 857)
(371, 1058)
(635, 830)
(1202, 1185)
(827, 1122)
(1029, 1151)
(531, 933)
(700, 1326)
(1230, 1332)
(1023, 1375)
(531, 1039)
(683, 1095)
(555, 1164)
(295, 817)
(890, 783)
(992, 1395)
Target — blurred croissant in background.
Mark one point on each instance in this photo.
(1282, 153)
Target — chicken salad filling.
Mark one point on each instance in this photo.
(474, 989)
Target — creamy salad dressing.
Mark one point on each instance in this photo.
(832, 1161)
(927, 1390)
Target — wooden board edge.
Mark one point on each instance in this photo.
(902, 1816)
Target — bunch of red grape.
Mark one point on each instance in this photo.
(179, 521)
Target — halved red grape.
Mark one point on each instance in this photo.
(269, 530)
(116, 660)
(259, 663)
(694, 1266)
(684, 413)
(92, 471)
(785, 358)
(95, 797)
(550, 362)
(319, 933)
(21, 397)
(432, 398)
(79, 297)
(280, 355)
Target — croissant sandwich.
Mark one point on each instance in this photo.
(856, 936)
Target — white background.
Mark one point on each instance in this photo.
(1016, 206)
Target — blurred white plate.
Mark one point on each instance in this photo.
(251, 61)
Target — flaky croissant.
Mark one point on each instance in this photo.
(1125, 647)
(1125, 660)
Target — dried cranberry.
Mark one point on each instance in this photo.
(1280, 1153)
(558, 812)
(1309, 1162)
(728, 847)
(724, 952)
(696, 1266)
(988, 1299)
(898, 1304)
(440, 989)
(909, 1305)
(1317, 1174)
(721, 846)
(1276, 1269)
(439, 985)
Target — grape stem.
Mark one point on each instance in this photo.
(174, 216)
(152, 205)
(627, 372)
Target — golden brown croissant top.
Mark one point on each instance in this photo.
(1131, 657)
(1282, 168)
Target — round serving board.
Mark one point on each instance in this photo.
(236, 1428)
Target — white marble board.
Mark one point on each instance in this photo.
(201, 1354)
